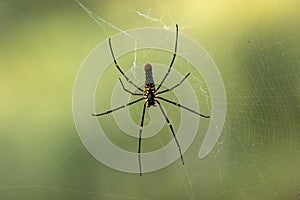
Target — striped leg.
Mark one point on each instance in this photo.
(175, 86)
(181, 106)
(172, 130)
(171, 64)
(118, 108)
(126, 90)
(120, 70)
(140, 139)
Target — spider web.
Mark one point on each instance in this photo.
(257, 156)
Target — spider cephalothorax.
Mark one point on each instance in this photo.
(151, 96)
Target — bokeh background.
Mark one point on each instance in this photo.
(256, 46)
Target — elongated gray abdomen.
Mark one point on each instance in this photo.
(148, 75)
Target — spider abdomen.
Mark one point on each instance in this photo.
(148, 75)
(150, 92)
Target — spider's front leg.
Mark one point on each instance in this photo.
(118, 67)
(175, 86)
(172, 61)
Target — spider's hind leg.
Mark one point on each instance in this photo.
(172, 130)
(140, 138)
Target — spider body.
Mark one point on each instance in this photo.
(151, 97)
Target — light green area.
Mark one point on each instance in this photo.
(255, 44)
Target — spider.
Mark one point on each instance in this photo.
(151, 97)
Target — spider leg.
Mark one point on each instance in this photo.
(118, 108)
(120, 70)
(181, 106)
(175, 86)
(172, 130)
(171, 64)
(126, 90)
(140, 139)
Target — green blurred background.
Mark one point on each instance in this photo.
(255, 44)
